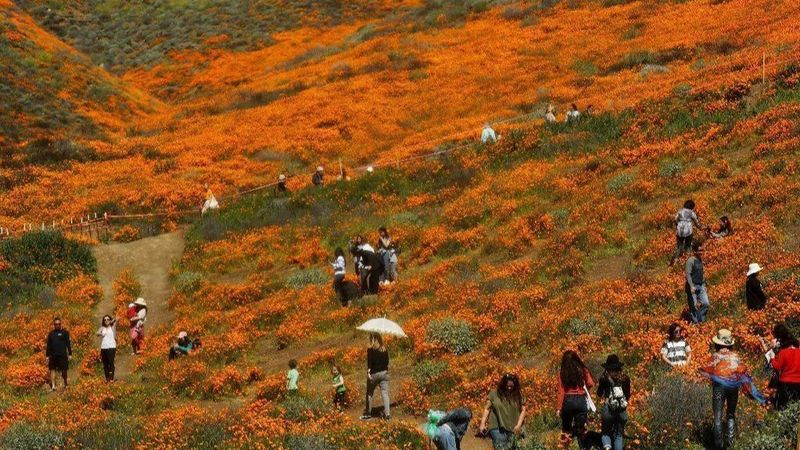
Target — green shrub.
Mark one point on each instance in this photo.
(308, 442)
(620, 182)
(48, 152)
(432, 376)
(778, 432)
(302, 407)
(302, 278)
(116, 433)
(669, 169)
(26, 436)
(674, 402)
(188, 282)
(453, 334)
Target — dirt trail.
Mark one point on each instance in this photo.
(150, 259)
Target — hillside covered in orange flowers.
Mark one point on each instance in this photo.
(556, 237)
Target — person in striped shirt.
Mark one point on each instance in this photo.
(676, 351)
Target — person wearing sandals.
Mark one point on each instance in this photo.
(504, 413)
(615, 387)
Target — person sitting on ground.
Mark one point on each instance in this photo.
(449, 429)
(615, 387)
(318, 179)
(488, 136)
(572, 115)
(388, 251)
(755, 297)
(504, 413)
(550, 115)
(589, 111)
(340, 392)
(58, 351)
(211, 201)
(183, 346)
(784, 358)
(281, 186)
(292, 376)
(676, 351)
(725, 229)
(573, 402)
(728, 374)
(684, 220)
(695, 286)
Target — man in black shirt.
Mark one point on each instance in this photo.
(59, 352)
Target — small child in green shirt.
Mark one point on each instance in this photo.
(340, 394)
(292, 376)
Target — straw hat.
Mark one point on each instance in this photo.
(140, 301)
(281, 177)
(320, 169)
(182, 334)
(724, 338)
(370, 169)
(754, 268)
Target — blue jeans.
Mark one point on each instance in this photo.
(501, 439)
(446, 439)
(613, 427)
(700, 296)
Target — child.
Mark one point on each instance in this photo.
(339, 396)
(292, 376)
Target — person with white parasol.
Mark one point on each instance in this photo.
(378, 362)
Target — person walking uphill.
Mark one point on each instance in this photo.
(696, 292)
(728, 374)
(58, 351)
(377, 375)
(754, 294)
(685, 221)
(574, 383)
(504, 413)
(615, 387)
(108, 345)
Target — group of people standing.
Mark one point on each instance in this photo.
(374, 268)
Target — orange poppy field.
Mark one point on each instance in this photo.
(556, 237)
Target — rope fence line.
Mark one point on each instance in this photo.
(104, 220)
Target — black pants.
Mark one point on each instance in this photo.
(574, 414)
(721, 397)
(785, 394)
(107, 355)
(340, 400)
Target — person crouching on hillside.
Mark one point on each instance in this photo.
(183, 346)
(504, 413)
(447, 430)
(724, 229)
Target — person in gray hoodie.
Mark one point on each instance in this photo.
(452, 428)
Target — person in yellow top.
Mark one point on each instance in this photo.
(211, 201)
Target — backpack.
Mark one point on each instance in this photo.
(616, 401)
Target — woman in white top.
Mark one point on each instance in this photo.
(108, 345)
(676, 351)
(338, 271)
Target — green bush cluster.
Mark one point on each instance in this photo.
(27, 436)
(455, 335)
(302, 278)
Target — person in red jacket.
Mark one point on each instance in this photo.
(787, 364)
(574, 383)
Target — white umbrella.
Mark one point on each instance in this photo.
(382, 326)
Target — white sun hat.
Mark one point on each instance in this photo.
(754, 268)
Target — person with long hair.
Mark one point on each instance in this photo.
(108, 345)
(504, 413)
(787, 365)
(615, 387)
(724, 229)
(574, 383)
(676, 350)
(377, 375)
(685, 221)
(388, 250)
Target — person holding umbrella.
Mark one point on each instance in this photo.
(377, 375)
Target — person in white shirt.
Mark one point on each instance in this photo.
(572, 115)
(108, 345)
(488, 136)
(339, 269)
(550, 115)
